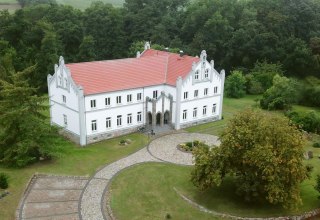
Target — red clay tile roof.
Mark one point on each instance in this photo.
(152, 68)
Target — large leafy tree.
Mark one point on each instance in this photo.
(262, 152)
(281, 95)
(26, 135)
(235, 85)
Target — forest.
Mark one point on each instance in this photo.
(236, 34)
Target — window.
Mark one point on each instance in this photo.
(215, 89)
(93, 103)
(139, 96)
(64, 99)
(214, 107)
(60, 80)
(129, 98)
(65, 120)
(119, 120)
(184, 115)
(195, 110)
(204, 111)
(108, 122)
(94, 125)
(118, 99)
(155, 94)
(206, 74)
(129, 119)
(196, 75)
(205, 91)
(139, 117)
(66, 81)
(196, 93)
(107, 100)
(185, 95)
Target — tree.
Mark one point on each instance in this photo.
(281, 95)
(25, 134)
(235, 85)
(86, 49)
(261, 76)
(262, 152)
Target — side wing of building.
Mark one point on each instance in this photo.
(64, 100)
(200, 94)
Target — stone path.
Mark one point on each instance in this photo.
(52, 197)
(72, 198)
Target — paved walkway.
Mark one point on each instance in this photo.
(93, 202)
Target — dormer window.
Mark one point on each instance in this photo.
(206, 74)
(196, 75)
(66, 82)
(60, 81)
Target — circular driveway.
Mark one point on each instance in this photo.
(165, 148)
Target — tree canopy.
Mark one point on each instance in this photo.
(262, 152)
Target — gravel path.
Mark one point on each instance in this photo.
(163, 149)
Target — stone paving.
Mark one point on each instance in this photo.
(52, 197)
(78, 198)
(165, 148)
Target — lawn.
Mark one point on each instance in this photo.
(147, 192)
(74, 161)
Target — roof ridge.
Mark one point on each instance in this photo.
(98, 61)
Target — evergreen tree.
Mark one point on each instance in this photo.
(26, 135)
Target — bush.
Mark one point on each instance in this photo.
(235, 85)
(123, 142)
(316, 145)
(317, 186)
(3, 181)
(309, 121)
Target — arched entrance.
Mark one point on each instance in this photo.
(166, 117)
(158, 117)
(149, 118)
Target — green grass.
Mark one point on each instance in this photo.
(75, 161)
(147, 192)
(8, 2)
(83, 4)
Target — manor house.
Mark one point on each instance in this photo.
(97, 100)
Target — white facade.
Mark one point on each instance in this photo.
(196, 98)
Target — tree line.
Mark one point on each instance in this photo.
(236, 34)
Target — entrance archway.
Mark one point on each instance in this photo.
(166, 117)
(158, 117)
(149, 118)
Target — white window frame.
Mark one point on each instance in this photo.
(129, 98)
(139, 96)
(139, 117)
(64, 99)
(129, 119)
(107, 101)
(214, 108)
(195, 112)
(185, 95)
(93, 103)
(108, 122)
(206, 74)
(205, 91)
(155, 94)
(196, 93)
(196, 75)
(118, 99)
(65, 120)
(184, 114)
(94, 126)
(119, 120)
(204, 110)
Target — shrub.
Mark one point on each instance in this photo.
(316, 145)
(3, 181)
(309, 121)
(235, 85)
(317, 186)
(123, 141)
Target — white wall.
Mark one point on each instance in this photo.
(58, 107)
